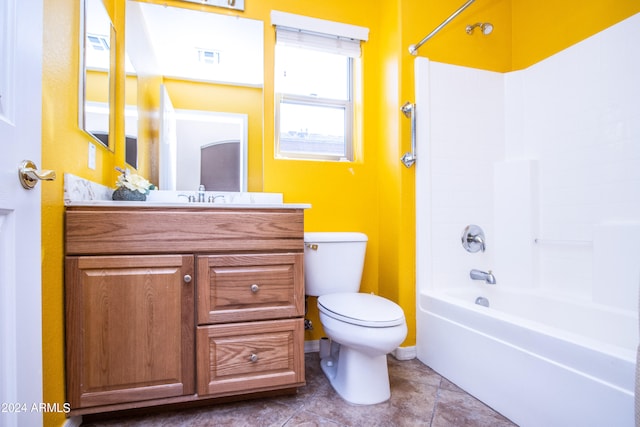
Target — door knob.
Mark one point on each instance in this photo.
(30, 175)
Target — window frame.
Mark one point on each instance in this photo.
(349, 119)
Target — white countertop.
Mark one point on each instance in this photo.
(81, 192)
(195, 205)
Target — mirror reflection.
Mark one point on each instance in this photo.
(96, 56)
(212, 149)
(198, 78)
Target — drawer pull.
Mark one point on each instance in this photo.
(255, 288)
(253, 358)
(187, 278)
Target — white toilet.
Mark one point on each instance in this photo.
(363, 328)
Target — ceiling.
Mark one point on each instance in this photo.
(195, 45)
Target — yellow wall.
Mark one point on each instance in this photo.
(374, 194)
(148, 96)
(97, 86)
(452, 44)
(64, 149)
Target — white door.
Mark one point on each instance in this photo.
(168, 142)
(20, 253)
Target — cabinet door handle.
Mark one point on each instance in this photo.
(253, 358)
(255, 288)
(187, 278)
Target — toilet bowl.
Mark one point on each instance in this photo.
(366, 327)
(363, 328)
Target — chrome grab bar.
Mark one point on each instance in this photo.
(409, 110)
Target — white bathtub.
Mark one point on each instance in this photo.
(538, 360)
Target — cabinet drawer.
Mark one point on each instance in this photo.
(250, 357)
(237, 288)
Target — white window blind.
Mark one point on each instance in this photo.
(318, 34)
(322, 42)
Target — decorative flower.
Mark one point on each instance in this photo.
(133, 182)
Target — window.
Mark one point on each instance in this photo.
(314, 85)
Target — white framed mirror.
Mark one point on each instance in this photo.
(96, 79)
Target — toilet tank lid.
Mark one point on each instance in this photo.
(325, 237)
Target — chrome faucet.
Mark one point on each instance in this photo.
(473, 239)
(212, 198)
(477, 238)
(487, 276)
(190, 198)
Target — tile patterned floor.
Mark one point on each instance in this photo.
(419, 397)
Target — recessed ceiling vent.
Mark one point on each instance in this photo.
(98, 42)
(209, 56)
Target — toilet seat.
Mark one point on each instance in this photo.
(361, 309)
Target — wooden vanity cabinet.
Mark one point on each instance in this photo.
(129, 328)
(177, 305)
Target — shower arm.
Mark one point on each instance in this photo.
(413, 49)
(409, 110)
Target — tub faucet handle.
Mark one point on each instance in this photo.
(473, 239)
(476, 239)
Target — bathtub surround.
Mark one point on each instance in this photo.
(531, 369)
(545, 161)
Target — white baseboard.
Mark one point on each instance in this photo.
(400, 353)
(312, 346)
(405, 353)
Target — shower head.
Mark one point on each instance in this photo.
(486, 28)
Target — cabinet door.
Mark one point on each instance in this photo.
(250, 357)
(130, 331)
(236, 288)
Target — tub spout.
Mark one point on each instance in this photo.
(487, 276)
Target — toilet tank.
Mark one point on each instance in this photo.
(333, 262)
